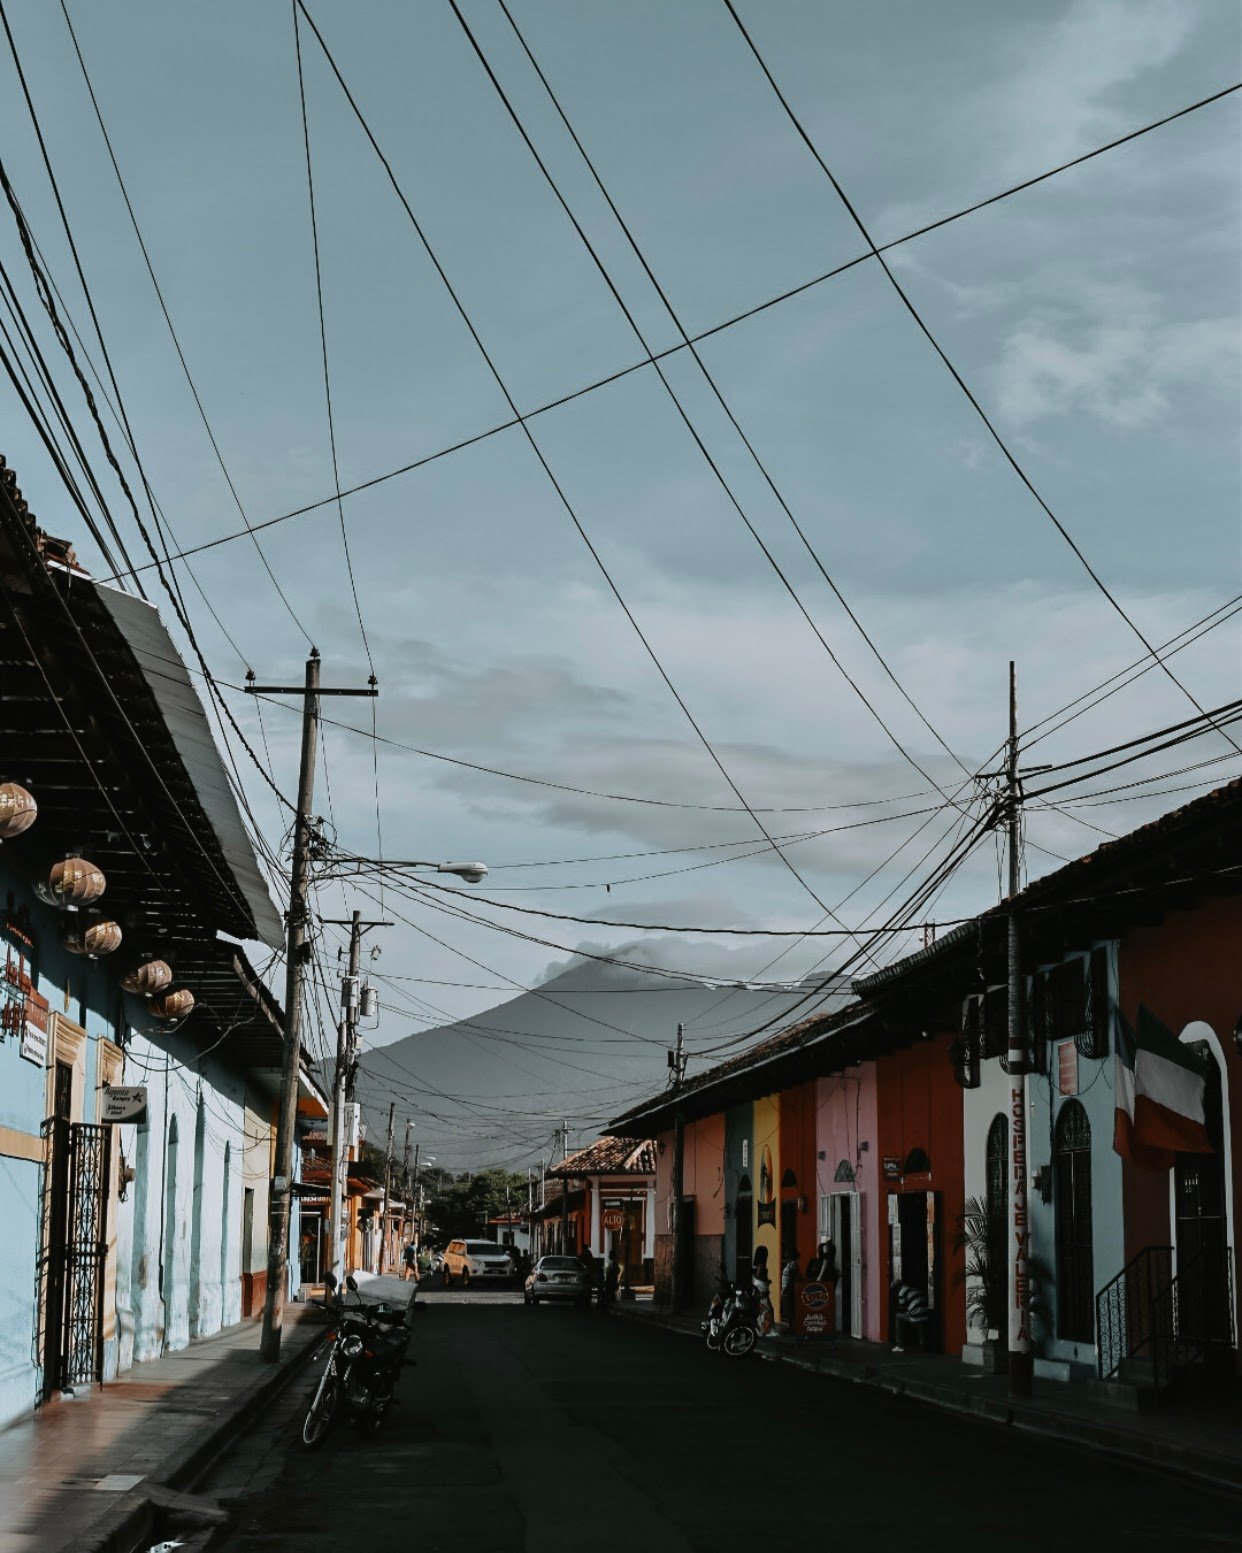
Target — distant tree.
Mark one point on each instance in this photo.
(462, 1206)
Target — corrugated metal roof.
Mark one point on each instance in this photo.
(165, 673)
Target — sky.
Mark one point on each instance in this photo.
(1095, 318)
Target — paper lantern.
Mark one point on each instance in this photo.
(17, 810)
(74, 882)
(92, 936)
(147, 977)
(175, 1003)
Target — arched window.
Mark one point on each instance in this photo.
(1075, 1261)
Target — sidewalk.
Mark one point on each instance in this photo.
(87, 1473)
(1200, 1439)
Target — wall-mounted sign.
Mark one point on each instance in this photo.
(124, 1103)
(1067, 1068)
(34, 1043)
(892, 1167)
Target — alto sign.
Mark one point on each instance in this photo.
(124, 1103)
(614, 1218)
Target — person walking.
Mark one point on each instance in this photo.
(790, 1277)
(612, 1279)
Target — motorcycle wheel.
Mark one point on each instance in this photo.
(713, 1341)
(320, 1413)
(739, 1340)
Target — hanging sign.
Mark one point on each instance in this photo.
(34, 1043)
(124, 1103)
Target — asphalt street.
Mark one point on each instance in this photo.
(570, 1429)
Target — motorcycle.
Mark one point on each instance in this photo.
(732, 1322)
(365, 1355)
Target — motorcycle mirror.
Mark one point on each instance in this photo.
(351, 1284)
(329, 1280)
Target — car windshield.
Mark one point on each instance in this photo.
(484, 1248)
(561, 1264)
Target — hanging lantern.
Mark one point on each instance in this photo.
(175, 1003)
(147, 977)
(17, 810)
(91, 935)
(74, 882)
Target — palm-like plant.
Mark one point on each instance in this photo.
(981, 1235)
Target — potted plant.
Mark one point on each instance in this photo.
(981, 1235)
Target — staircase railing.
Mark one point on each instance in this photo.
(1176, 1321)
(1194, 1315)
(1128, 1310)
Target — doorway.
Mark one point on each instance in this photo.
(1075, 1253)
(168, 1259)
(842, 1223)
(1201, 1229)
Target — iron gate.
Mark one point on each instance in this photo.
(73, 1253)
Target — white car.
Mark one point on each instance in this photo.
(476, 1261)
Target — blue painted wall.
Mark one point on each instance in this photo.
(174, 1268)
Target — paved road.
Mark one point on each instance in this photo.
(570, 1431)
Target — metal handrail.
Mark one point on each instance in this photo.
(1126, 1308)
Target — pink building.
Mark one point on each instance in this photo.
(847, 1189)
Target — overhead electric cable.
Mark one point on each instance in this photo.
(159, 294)
(697, 438)
(1000, 442)
(704, 334)
(546, 466)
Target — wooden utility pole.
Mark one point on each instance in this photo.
(346, 1063)
(383, 1245)
(565, 1191)
(677, 1061)
(297, 952)
(1020, 1359)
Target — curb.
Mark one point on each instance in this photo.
(130, 1519)
(1213, 1471)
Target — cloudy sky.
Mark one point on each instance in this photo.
(1095, 317)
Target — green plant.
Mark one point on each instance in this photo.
(981, 1235)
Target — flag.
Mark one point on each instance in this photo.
(1160, 1087)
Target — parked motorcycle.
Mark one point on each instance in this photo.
(366, 1350)
(732, 1322)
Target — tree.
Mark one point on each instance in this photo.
(461, 1207)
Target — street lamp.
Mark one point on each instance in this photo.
(472, 872)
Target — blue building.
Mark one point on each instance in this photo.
(140, 1051)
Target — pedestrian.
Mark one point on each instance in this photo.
(592, 1267)
(790, 1276)
(822, 1268)
(763, 1290)
(409, 1263)
(612, 1278)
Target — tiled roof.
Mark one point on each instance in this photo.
(609, 1157)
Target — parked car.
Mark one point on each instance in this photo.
(558, 1278)
(481, 1260)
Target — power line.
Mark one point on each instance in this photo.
(712, 384)
(953, 371)
(546, 466)
(704, 334)
(159, 293)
